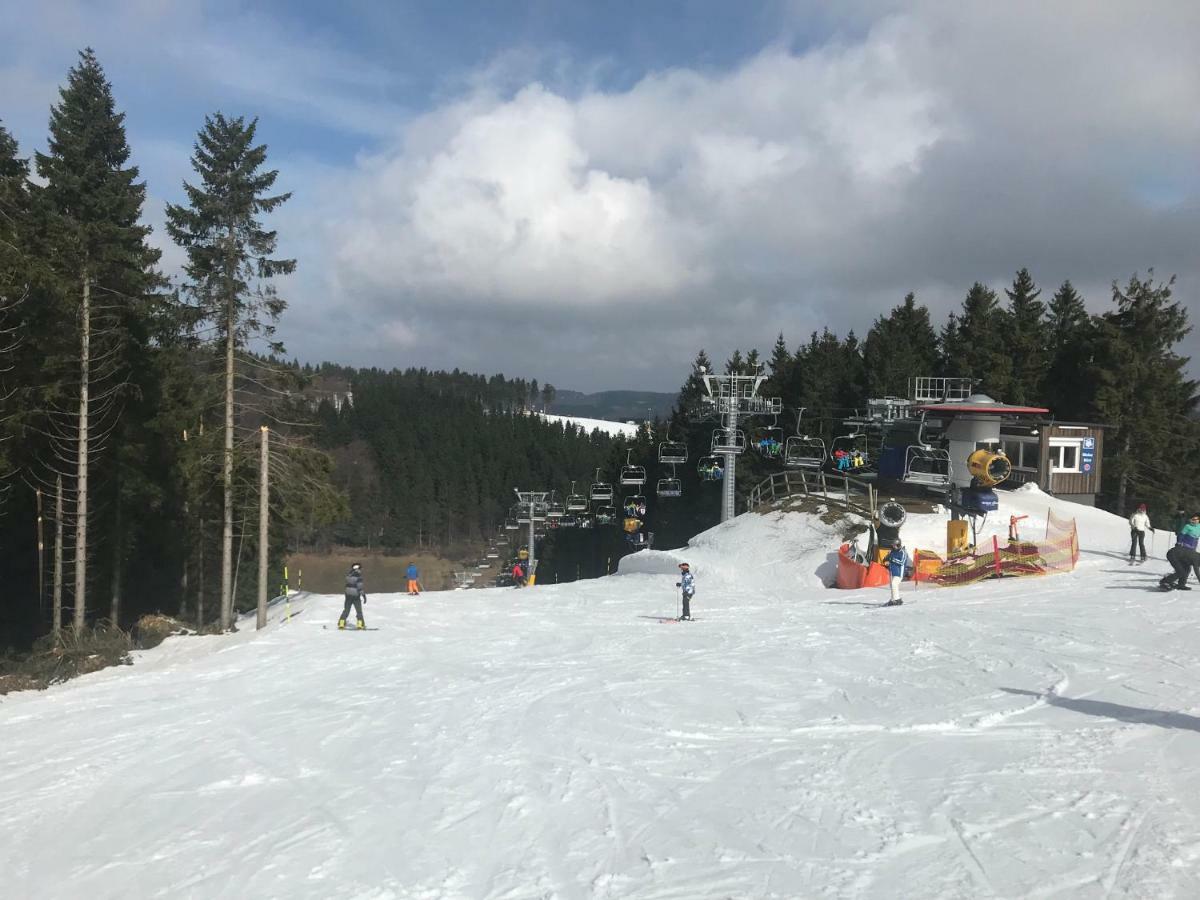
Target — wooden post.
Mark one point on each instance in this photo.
(264, 491)
(56, 588)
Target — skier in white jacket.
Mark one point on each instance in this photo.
(1139, 524)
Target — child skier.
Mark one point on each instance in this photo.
(355, 596)
(687, 586)
(414, 580)
(1139, 524)
(897, 562)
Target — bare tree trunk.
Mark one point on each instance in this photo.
(81, 478)
(264, 491)
(1123, 480)
(41, 555)
(115, 584)
(183, 578)
(227, 533)
(200, 582)
(56, 589)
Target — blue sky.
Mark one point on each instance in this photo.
(587, 193)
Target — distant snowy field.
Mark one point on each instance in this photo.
(616, 429)
(1023, 738)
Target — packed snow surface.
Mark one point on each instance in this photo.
(1020, 738)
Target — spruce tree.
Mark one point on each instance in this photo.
(1145, 398)
(898, 347)
(1024, 340)
(229, 269)
(781, 363)
(735, 364)
(1069, 385)
(99, 246)
(977, 344)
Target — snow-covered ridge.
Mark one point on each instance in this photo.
(616, 429)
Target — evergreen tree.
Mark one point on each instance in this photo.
(1145, 398)
(752, 363)
(229, 268)
(99, 245)
(975, 347)
(735, 364)
(1070, 384)
(1024, 340)
(781, 364)
(898, 347)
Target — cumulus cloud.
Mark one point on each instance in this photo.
(802, 188)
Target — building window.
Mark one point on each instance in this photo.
(1023, 454)
(1064, 456)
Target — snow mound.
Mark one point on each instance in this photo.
(616, 429)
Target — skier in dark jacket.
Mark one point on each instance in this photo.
(355, 596)
(687, 586)
(1182, 559)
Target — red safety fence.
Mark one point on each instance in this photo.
(1059, 552)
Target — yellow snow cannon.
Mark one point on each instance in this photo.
(988, 467)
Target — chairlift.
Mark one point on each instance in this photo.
(634, 505)
(803, 451)
(606, 515)
(492, 554)
(669, 487)
(555, 508)
(510, 523)
(927, 465)
(569, 521)
(769, 441)
(586, 522)
(632, 475)
(849, 453)
(725, 440)
(601, 491)
(710, 468)
(671, 452)
(576, 503)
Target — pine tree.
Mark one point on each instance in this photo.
(99, 245)
(977, 345)
(735, 364)
(899, 347)
(1069, 385)
(1144, 396)
(781, 363)
(229, 269)
(1024, 340)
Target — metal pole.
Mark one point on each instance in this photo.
(729, 494)
(264, 483)
(532, 544)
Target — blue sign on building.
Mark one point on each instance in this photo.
(1087, 455)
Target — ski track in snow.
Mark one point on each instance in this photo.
(1022, 738)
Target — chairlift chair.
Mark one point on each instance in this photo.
(602, 491)
(636, 502)
(606, 515)
(671, 452)
(586, 522)
(804, 452)
(631, 475)
(569, 521)
(927, 465)
(769, 442)
(856, 456)
(555, 510)
(492, 554)
(669, 487)
(726, 441)
(576, 503)
(710, 468)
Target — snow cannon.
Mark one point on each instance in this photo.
(891, 516)
(988, 467)
(978, 501)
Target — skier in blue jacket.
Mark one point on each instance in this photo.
(898, 562)
(687, 586)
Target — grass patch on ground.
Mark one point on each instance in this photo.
(56, 659)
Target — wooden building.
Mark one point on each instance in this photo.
(1062, 458)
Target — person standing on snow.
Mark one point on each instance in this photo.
(687, 589)
(414, 580)
(897, 562)
(356, 596)
(1139, 524)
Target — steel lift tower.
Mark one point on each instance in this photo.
(730, 399)
(535, 501)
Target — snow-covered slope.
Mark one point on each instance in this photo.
(1022, 738)
(616, 429)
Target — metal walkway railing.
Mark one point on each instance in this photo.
(852, 493)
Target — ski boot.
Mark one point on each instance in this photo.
(361, 625)
(341, 624)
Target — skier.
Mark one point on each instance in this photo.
(1189, 533)
(1139, 523)
(1182, 559)
(355, 596)
(897, 562)
(687, 586)
(518, 574)
(414, 580)
(1177, 523)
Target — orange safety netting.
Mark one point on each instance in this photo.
(1059, 552)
